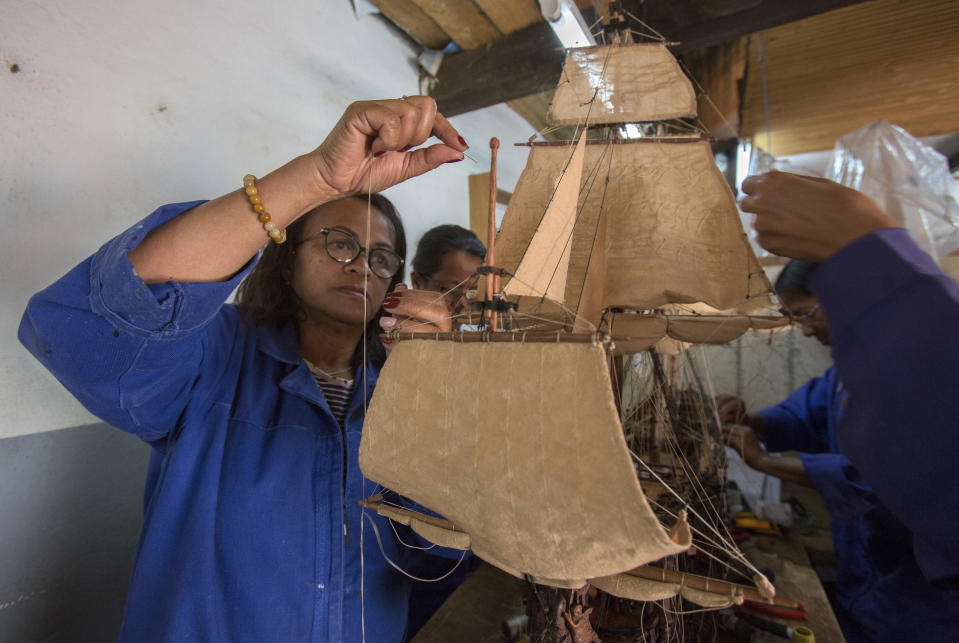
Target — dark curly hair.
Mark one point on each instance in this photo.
(266, 298)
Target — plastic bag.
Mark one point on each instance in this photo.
(908, 179)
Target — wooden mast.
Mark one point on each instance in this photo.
(492, 280)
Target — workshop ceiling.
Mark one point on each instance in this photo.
(830, 65)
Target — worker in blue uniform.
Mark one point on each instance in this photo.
(896, 570)
(252, 529)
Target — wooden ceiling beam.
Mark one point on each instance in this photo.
(511, 15)
(768, 14)
(462, 20)
(530, 60)
(525, 62)
(414, 22)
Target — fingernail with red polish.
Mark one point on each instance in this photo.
(390, 303)
(462, 141)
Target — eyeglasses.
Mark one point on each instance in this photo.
(807, 319)
(343, 247)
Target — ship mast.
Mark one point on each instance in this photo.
(492, 280)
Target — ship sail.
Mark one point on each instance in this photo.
(672, 232)
(617, 84)
(535, 469)
(526, 457)
(544, 266)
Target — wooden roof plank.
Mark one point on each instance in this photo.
(414, 21)
(511, 15)
(529, 61)
(834, 73)
(462, 20)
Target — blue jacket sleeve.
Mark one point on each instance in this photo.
(893, 316)
(800, 422)
(840, 485)
(128, 351)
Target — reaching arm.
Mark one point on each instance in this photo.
(831, 474)
(893, 316)
(743, 439)
(366, 151)
(799, 422)
(126, 330)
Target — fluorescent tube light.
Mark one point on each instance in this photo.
(567, 23)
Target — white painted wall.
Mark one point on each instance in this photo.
(123, 105)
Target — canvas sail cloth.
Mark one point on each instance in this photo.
(631, 83)
(533, 465)
(542, 271)
(656, 228)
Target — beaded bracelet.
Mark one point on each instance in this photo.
(249, 185)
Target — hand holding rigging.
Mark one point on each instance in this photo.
(744, 441)
(731, 409)
(362, 144)
(417, 311)
(809, 218)
(371, 140)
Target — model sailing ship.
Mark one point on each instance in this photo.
(562, 458)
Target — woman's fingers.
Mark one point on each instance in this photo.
(414, 119)
(418, 311)
(426, 115)
(394, 122)
(385, 130)
(429, 158)
(443, 130)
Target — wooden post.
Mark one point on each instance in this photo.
(492, 282)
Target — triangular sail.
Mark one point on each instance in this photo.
(621, 84)
(542, 271)
(533, 466)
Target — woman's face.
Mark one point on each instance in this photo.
(334, 291)
(809, 315)
(457, 275)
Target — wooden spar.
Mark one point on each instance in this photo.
(374, 503)
(711, 585)
(649, 572)
(676, 138)
(492, 281)
(517, 337)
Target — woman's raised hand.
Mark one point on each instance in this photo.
(369, 148)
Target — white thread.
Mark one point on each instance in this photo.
(376, 532)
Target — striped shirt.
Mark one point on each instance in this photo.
(336, 390)
(337, 396)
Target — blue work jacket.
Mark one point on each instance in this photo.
(251, 530)
(881, 591)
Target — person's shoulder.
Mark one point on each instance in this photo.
(229, 325)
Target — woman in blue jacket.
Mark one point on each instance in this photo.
(252, 530)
